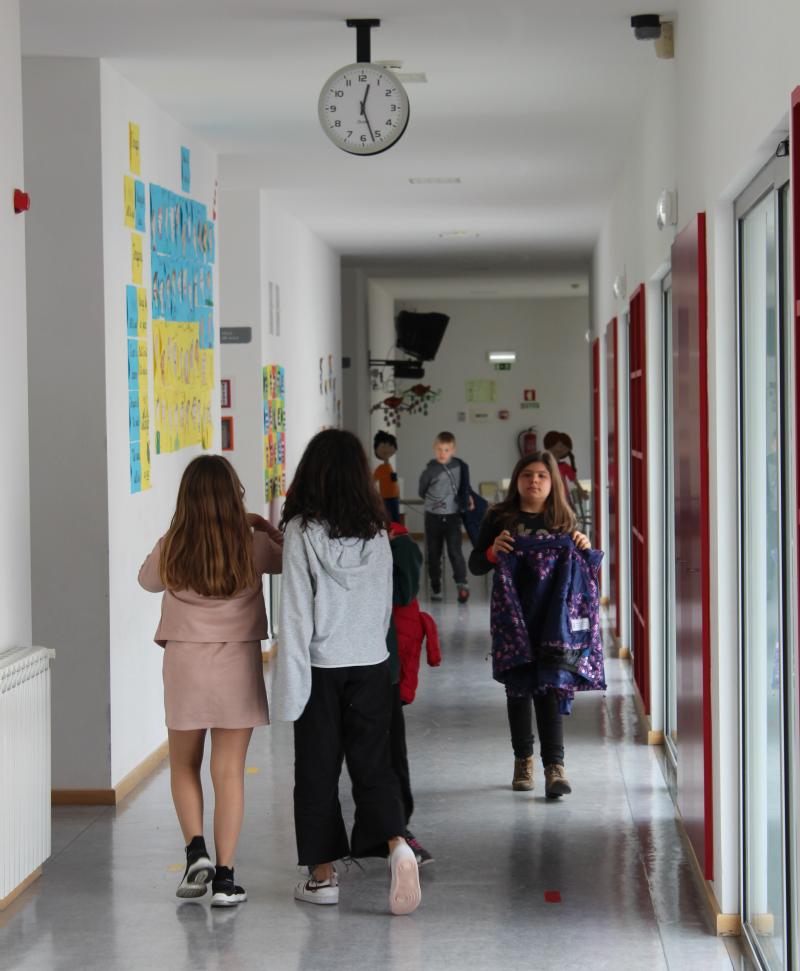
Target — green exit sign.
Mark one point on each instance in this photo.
(506, 366)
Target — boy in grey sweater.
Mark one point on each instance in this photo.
(445, 487)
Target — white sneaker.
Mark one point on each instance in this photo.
(405, 894)
(318, 891)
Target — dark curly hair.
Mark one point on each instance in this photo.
(333, 485)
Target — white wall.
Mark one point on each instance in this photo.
(240, 269)
(68, 428)
(15, 573)
(136, 521)
(549, 337)
(714, 116)
(90, 534)
(309, 274)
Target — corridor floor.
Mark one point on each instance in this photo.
(612, 852)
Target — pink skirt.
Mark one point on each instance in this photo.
(214, 685)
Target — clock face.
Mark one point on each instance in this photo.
(363, 109)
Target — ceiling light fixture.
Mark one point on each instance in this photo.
(459, 234)
(435, 180)
(502, 357)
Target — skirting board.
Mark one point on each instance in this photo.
(7, 901)
(723, 925)
(112, 797)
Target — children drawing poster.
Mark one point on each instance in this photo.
(182, 385)
(182, 299)
(274, 391)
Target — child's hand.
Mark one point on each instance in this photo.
(581, 541)
(254, 521)
(504, 543)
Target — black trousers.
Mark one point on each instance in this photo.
(438, 531)
(549, 723)
(397, 742)
(348, 717)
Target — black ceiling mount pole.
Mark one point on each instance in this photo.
(363, 45)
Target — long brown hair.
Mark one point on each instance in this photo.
(333, 485)
(209, 547)
(558, 514)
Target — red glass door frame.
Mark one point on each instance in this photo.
(640, 586)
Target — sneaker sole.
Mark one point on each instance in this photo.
(228, 900)
(319, 901)
(195, 883)
(522, 787)
(405, 894)
(552, 794)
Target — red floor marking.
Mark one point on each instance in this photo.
(552, 896)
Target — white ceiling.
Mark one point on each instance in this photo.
(529, 102)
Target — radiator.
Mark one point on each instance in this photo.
(24, 764)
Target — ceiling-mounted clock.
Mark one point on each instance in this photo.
(363, 108)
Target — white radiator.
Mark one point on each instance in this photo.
(24, 764)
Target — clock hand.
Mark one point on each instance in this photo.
(364, 102)
(368, 125)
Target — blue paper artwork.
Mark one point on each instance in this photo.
(132, 310)
(133, 366)
(186, 171)
(139, 211)
(183, 249)
(136, 467)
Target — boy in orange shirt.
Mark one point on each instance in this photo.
(385, 445)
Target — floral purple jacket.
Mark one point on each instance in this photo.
(546, 613)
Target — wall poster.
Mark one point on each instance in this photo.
(182, 296)
(274, 386)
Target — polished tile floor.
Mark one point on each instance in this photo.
(611, 855)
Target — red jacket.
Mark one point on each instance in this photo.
(413, 627)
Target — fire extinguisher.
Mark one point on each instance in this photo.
(526, 441)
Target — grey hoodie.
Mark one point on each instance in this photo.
(335, 608)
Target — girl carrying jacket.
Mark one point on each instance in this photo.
(535, 505)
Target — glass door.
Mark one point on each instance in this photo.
(763, 330)
(670, 653)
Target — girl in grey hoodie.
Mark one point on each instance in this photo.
(332, 675)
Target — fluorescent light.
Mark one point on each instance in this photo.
(459, 234)
(435, 180)
(502, 357)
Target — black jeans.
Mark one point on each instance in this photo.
(348, 716)
(397, 742)
(438, 531)
(549, 723)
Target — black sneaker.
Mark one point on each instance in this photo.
(436, 593)
(423, 856)
(225, 893)
(199, 870)
(463, 593)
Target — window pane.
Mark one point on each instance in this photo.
(763, 581)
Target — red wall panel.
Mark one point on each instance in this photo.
(690, 422)
(596, 431)
(640, 629)
(612, 432)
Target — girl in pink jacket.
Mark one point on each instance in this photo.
(209, 566)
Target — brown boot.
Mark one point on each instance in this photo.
(555, 782)
(523, 775)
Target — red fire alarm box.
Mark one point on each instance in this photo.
(529, 394)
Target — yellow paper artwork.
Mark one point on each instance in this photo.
(141, 298)
(144, 405)
(137, 258)
(133, 148)
(183, 383)
(129, 191)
